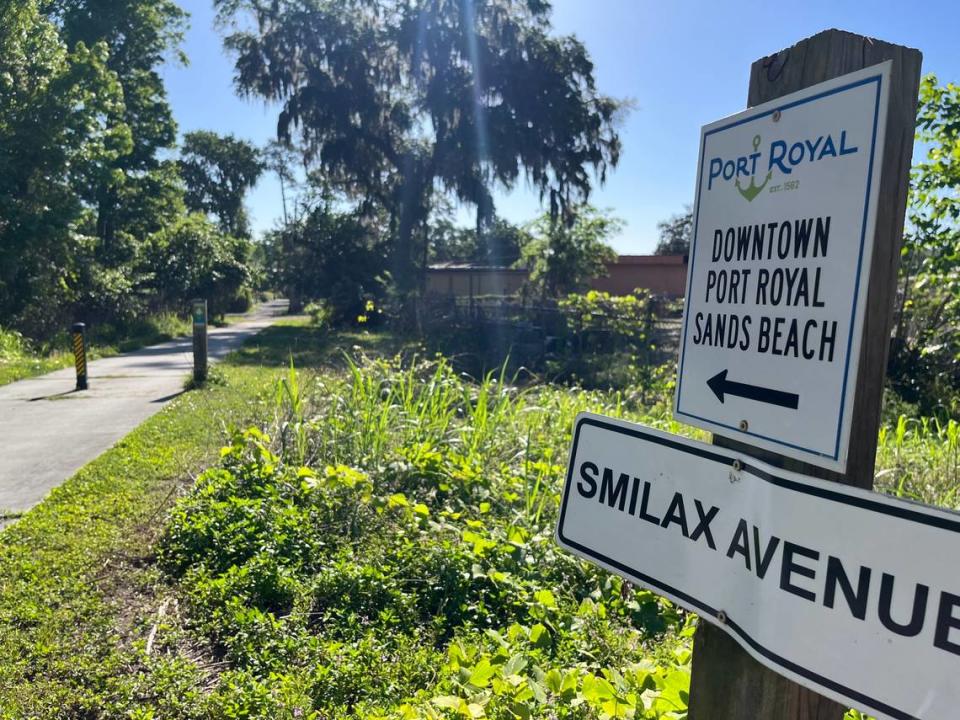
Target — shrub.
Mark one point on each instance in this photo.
(192, 258)
(320, 314)
(12, 345)
(610, 342)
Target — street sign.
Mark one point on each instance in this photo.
(784, 220)
(853, 594)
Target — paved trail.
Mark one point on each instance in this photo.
(48, 431)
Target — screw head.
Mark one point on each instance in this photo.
(722, 617)
(737, 465)
(744, 425)
(777, 115)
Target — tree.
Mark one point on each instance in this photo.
(327, 254)
(396, 99)
(281, 159)
(675, 234)
(193, 258)
(564, 257)
(498, 244)
(218, 170)
(140, 35)
(925, 362)
(56, 144)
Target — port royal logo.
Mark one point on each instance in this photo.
(780, 157)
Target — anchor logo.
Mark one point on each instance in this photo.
(752, 190)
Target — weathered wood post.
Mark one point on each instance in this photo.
(199, 315)
(728, 684)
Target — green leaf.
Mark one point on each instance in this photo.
(451, 702)
(514, 665)
(540, 636)
(539, 693)
(545, 597)
(554, 681)
(481, 674)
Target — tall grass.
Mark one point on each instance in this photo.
(20, 358)
(385, 549)
(919, 459)
(12, 344)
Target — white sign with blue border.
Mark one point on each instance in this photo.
(779, 261)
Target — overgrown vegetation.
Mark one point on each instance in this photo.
(384, 549)
(611, 342)
(593, 340)
(375, 540)
(925, 362)
(387, 550)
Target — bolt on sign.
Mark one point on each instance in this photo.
(851, 593)
(784, 221)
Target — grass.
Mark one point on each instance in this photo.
(148, 331)
(20, 359)
(919, 459)
(25, 366)
(76, 587)
(310, 346)
(373, 540)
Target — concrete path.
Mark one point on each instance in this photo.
(48, 431)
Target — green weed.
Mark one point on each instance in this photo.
(384, 549)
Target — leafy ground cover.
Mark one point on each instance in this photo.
(373, 540)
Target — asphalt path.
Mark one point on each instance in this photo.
(48, 430)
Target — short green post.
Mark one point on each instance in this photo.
(78, 333)
(199, 314)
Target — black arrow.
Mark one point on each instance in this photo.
(721, 386)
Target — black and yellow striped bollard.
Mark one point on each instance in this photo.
(78, 331)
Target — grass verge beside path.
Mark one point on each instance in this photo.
(81, 602)
(75, 583)
(27, 366)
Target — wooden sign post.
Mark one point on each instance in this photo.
(198, 312)
(728, 684)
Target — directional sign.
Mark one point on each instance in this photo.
(853, 594)
(779, 262)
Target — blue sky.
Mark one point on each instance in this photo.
(683, 64)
